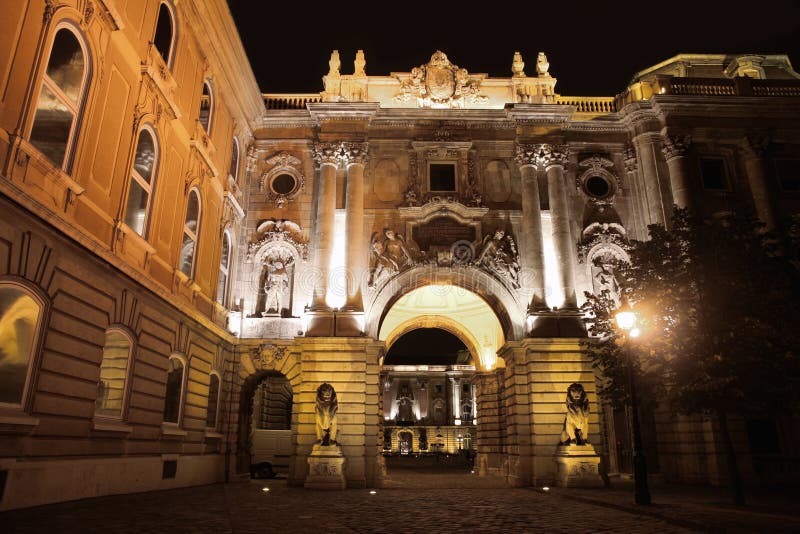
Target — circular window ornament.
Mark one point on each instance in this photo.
(284, 180)
(597, 187)
(283, 184)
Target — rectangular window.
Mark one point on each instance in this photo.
(714, 175)
(788, 172)
(442, 177)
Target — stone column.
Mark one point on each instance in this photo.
(456, 384)
(646, 147)
(423, 400)
(355, 154)
(635, 198)
(531, 250)
(327, 156)
(753, 151)
(554, 159)
(387, 397)
(490, 426)
(675, 148)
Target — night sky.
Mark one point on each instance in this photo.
(593, 49)
(431, 346)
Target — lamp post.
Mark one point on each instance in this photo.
(626, 321)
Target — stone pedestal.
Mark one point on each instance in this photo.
(325, 468)
(578, 466)
(320, 323)
(349, 324)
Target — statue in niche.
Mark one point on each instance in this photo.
(326, 407)
(423, 439)
(499, 255)
(603, 275)
(576, 422)
(405, 404)
(388, 254)
(276, 286)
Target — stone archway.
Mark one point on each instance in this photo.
(257, 364)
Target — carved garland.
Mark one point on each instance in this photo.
(280, 164)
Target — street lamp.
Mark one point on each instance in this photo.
(626, 321)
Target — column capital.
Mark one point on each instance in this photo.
(355, 153)
(756, 143)
(542, 155)
(328, 153)
(675, 145)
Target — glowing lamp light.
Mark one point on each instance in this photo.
(545, 488)
(372, 492)
(626, 320)
(265, 489)
(635, 332)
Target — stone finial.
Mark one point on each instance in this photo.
(542, 66)
(334, 64)
(518, 66)
(360, 63)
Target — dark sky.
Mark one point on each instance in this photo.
(431, 346)
(593, 49)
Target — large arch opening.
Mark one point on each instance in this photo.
(437, 338)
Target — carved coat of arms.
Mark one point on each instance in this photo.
(440, 84)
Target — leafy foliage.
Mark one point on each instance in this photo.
(720, 315)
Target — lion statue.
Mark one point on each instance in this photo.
(576, 423)
(327, 406)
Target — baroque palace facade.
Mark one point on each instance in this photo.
(171, 238)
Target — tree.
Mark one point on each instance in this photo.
(721, 321)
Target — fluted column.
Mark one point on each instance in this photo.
(675, 148)
(753, 150)
(456, 383)
(554, 159)
(355, 156)
(327, 156)
(531, 249)
(647, 150)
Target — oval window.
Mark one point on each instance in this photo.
(283, 184)
(597, 186)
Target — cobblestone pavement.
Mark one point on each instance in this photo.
(445, 507)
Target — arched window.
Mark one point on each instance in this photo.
(224, 268)
(234, 170)
(206, 107)
(213, 401)
(20, 323)
(191, 229)
(111, 389)
(174, 393)
(142, 178)
(164, 37)
(60, 103)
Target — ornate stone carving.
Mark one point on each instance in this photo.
(412, 194)
(278, 232)
(629, 159)
(277, 165)
(601, 234)
(757, 143)
(499, 255)
(267, 355)
(542, 155)
(518, 66)
(675, 146)
(440, 84)
(327, 153)
(334, 64)
(359, 64)
(355, 153)
(388, 256)
(325, 414)
(597, 165)
(277, 285)
(576, 422)
(542, 65)
(472, 196)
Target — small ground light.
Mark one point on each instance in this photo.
(264, 489)
(545, 488)
(372, 492)
(472, 472)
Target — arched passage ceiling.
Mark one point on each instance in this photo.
(450, 308)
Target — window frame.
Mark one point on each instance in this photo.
(211, 106)
(451, 163)
(181, 393)
(134, 175)
(123, 413)
(235, 150)
(194, 234)
(173, 44)
(225, 270)
(219, 396)
(45, 81)
(726, 173)
(38, 339)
